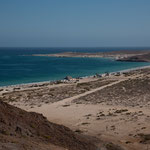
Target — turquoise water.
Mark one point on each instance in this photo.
(17, 69)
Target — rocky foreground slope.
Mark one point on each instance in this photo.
(21, 130)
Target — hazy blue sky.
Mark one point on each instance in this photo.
(74, 23)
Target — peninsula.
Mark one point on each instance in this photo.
(122, 55)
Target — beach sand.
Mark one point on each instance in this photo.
(112, 108)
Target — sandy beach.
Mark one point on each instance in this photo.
(113, 108)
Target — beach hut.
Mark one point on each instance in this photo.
(69, 78)
(98, 75)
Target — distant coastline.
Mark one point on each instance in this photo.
(125, 55)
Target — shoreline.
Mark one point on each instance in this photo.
(52, 81)
(62, 81)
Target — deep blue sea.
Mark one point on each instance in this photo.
(17, 68)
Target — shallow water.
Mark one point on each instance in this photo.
(17, 69)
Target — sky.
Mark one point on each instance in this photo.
(74, 23)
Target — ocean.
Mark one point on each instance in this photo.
(18, 67)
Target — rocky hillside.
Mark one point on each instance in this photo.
(21, 130)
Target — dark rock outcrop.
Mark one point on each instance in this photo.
(138, 58)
